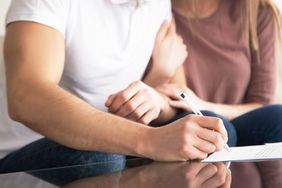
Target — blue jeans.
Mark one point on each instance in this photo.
(260, 126)
(45, 153)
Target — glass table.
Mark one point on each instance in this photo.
(144, 173)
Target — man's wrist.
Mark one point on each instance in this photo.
(142, 148)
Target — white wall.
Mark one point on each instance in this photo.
(279, 4)
(4, 4)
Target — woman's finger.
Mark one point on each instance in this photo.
(172, 27)
(179, 105)
(163, 30)
(171, 92)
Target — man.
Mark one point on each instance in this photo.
(64, 58)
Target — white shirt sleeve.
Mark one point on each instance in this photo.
(52, 13)
(167, 13)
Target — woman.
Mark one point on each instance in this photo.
(230, 71)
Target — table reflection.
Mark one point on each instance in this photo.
(145, 173)
(165, 175)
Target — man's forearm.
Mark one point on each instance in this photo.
(66, 119)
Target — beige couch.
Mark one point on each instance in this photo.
(1, 48)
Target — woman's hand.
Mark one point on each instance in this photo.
(173, 91)
(138, 102)
(169, 52)
(168, 55)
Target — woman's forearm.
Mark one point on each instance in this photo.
(231, 111)
(155, 76)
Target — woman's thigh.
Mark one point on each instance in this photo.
(263, 125)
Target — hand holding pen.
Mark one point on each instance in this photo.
(197, 111)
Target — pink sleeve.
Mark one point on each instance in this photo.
(262, 83)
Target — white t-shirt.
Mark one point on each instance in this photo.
(108, 46)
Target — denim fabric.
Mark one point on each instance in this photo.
(263, 125)
(62, 176)
(45, 153)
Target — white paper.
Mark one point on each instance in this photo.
(271, 151)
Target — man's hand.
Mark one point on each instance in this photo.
(192, 137)
(164, 175)
(138, 102)
(187, 174)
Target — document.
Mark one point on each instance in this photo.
(272, 151)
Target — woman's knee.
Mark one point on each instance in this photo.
(275, 111)
(273, 120)
(269, 115)
(262, 125)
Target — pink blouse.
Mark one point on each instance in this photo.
(221, 66)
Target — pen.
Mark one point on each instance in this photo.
(196, 111)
